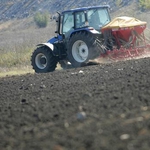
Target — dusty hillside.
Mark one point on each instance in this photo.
(23, 34)
(24, 8)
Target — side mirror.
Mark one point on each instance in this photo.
(55, 17)
(52, 18)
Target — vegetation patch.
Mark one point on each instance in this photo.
(41, 19)
(144, 4)
(20, 70)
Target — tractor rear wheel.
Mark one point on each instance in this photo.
(82, 47)
(43, 60)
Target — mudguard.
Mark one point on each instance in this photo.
(49, 45)
(50, 42)
(93, 31)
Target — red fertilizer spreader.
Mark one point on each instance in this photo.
(124, 37)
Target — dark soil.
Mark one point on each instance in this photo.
(101, 107)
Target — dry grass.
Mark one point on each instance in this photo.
(15, 71)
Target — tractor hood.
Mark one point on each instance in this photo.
(123, 22)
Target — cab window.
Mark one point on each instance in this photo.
(79, 19)
(68, 22)
(98, 18)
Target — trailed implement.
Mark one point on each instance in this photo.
(125, 38)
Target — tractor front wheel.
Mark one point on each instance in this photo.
(82, 47)
(43, 60)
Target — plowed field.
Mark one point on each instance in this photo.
(100, 107)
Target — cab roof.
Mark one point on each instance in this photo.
(86, 8)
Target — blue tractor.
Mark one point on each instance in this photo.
(78, 39)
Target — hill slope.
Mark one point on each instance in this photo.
(18, 27)
(23, 8)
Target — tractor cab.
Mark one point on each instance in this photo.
(80, 18)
